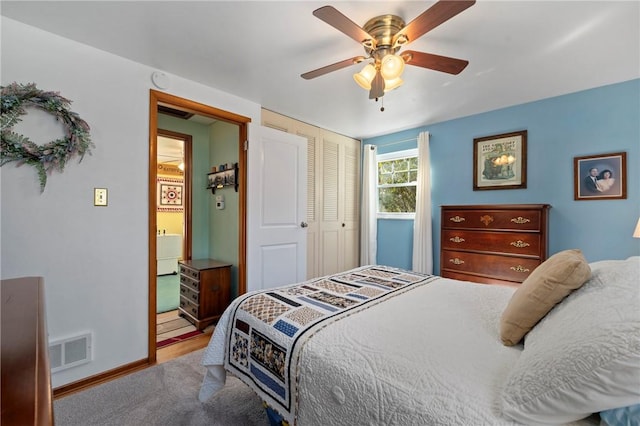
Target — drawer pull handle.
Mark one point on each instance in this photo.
(456, 239)
(520, 244)
(519, 269)
(486, 219)
(520, 220)
(457, 219)
(456, 261)
(215, 288)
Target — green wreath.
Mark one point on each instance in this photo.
(53, 155)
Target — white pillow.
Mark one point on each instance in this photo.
(584, 356)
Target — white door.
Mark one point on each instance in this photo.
(314, 179)
(276, 208)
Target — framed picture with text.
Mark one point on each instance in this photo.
(500, 161)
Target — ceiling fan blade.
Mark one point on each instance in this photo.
(434, 62)
(333, 17)
(377, 87)
(440, 12)
(333, 67)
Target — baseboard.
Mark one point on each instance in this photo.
(97, 379)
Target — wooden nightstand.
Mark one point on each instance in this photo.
(204, 290)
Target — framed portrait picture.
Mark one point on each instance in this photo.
(500, 161)
(600, 177)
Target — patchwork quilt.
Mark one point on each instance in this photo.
(374, 345)
(267, 330)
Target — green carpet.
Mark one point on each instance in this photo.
(168, 293)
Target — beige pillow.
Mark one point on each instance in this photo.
(547, 285)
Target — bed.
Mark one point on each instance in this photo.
(378, 345)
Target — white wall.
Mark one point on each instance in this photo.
(93, 259)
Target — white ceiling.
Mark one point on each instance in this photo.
(518, 51)
(170, 150)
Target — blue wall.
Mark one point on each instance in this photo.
(596, 121)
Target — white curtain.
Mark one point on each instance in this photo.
(422, 235)
(369, 222)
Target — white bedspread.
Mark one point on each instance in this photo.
(430, 356)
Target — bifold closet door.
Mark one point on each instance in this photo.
(340, 203)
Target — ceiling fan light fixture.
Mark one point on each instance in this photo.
(382, 37)
(391, 67)
(389, 85)
(365, 77)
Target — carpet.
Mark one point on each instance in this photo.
(167, 293)
(162, 395)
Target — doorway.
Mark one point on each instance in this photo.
(174, 166)
(173, 232)
(161, 100)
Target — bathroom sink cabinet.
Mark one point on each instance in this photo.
(204, 290)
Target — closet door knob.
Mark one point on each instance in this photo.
(304, 224)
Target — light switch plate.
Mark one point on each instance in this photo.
(99, 196)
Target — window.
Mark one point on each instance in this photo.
(397, 181)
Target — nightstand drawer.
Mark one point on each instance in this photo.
(189, 307)
(191, 273)
(187, 293)
(192, 284)
(495, 242)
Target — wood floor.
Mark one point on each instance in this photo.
(182, 348)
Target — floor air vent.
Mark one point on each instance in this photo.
(67, 353)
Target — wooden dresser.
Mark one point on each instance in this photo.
(26, 395)
(204, 290)
(493, 244)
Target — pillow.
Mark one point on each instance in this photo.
(621, 416)
(584, 356)
(547, 285)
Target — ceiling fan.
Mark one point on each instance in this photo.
(382, 37)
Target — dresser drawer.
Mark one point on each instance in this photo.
(525, 220)
(191, 273)
(192, 284)
(478, 279)
(189, 294)
(490, 265)
(189, 307)
(496, 242)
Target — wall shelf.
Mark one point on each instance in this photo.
(222, 178)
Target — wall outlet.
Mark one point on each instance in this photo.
(99, 196)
